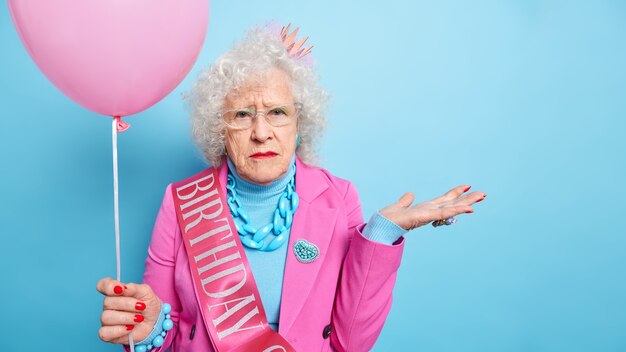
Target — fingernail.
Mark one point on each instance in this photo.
(467, 189)
(125, 287)
(118, 290)
(140, 306)
(129, 327)
(469, 212)
(138, 318)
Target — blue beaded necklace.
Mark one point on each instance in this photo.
(279, 227)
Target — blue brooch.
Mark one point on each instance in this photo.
(306, 252)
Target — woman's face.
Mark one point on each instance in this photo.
(262, 153)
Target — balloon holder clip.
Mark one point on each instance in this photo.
(121, 125)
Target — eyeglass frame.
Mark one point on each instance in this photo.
(297, 106)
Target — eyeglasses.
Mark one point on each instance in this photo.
(276, 116)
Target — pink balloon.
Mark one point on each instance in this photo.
(115, 57)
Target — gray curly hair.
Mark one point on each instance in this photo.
(258, 52)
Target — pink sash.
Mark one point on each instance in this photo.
(227, 294)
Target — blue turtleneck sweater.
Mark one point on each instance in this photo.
(259, 203)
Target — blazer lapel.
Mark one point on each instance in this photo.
(222, 172)
(314, 223)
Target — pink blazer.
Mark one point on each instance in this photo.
(348, 287)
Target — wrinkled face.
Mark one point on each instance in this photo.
(262, 153)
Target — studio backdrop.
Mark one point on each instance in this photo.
(524, 100)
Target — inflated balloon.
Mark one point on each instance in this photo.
(114, 57)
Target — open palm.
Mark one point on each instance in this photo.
(454, 202)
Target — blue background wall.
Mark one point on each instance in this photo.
(524, 100)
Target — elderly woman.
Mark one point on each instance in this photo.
(264, 251)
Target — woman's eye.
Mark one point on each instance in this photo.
(278, 112)
(242, 114)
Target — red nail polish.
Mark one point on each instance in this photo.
(480, 200)
(125, 287)
(118, 290)
(469, 212)
(129, 327)
(467, 189)
(140, 306)
(138, 318)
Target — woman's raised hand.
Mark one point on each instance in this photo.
(454, 202)
(127, 307)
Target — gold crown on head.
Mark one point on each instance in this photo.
(294, 48)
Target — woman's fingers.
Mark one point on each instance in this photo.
(115, 317)
(452, 194)
(139, 291)
(469, 199)
(127, 307)
(126, 304)
(406, 200)
(480, 196)
(115, 334)
(121, 315)
(458, 195)
(447, 212)
(126, 297)
(110, 287)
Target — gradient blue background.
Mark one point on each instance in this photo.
(524, 100)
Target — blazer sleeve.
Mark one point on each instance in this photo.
(160, 263)
(364, 294)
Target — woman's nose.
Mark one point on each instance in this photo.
(261, 130)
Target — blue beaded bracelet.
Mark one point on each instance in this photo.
(166, 323)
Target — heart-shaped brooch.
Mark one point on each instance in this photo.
(305, 251)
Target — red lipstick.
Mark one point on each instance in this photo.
(264, 155)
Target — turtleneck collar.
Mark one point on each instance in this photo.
(259, 193)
